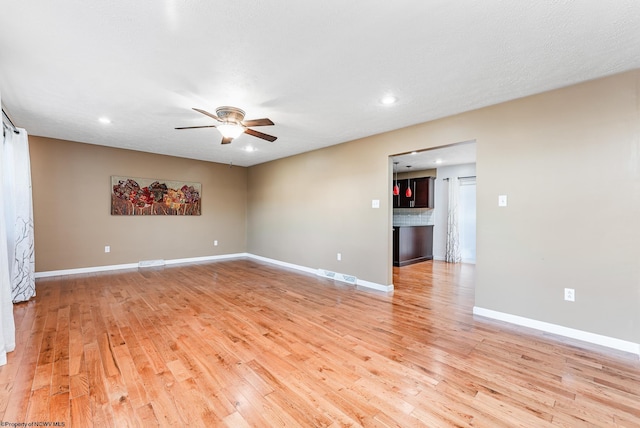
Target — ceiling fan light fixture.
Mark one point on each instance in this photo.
(231, 130)
(232, 124)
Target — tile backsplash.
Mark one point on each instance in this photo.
(413, 216)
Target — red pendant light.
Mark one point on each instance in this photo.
(396, 188)
(408, 193)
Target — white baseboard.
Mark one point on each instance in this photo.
(132, 265)
(327, 274)
(375, 285)
(585, 336)
(283, 264)
(340, 277)
(92, 269)
(205, 258)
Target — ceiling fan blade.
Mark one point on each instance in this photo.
(257, 122)
(226, 140)
(260, 134)
(206, 113)
(194, 127)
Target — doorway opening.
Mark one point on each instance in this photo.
(441, 164)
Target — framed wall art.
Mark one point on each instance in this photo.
(148, 196)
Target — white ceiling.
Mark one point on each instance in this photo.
(317, 69)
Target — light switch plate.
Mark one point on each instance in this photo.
(375, 203)
(502, 200)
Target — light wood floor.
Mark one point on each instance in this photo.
(243, 343)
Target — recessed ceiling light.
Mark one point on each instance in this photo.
(249, 149)
(388, 100)
(438, 161)
(104, 120)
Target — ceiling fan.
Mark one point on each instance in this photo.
(233, 124)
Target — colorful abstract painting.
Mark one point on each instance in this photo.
(147, 196)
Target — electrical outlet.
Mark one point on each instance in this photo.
(215, 243)
(570, 294)
(107, 249)
(502, 200)
(339, 256)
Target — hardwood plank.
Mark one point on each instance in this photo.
(59, 408)
(305, 387)
(60, 374)
(19, 393)
(196, 403)
(75, 352)
(163, 393)
(80, 412)
(39, 405)
(246, 401)
(245, 343)
(42, 376)
(235, 420)
(79, 385)
(146, 417)
(129, 383)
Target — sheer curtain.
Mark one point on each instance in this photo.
(18, 211)
(7, 326)
(453, 253)
(467, 219)
(17, 266)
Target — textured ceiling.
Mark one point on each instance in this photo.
(317, 69)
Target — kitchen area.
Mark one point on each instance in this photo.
(413, 216)
(421, 184)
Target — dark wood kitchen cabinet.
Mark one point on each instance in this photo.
(412, 244)
(422, 193)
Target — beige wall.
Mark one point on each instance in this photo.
(569, 161)
(306, 209)
(71, 198)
